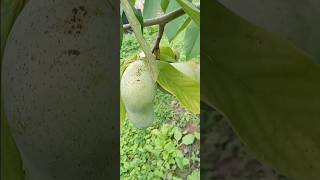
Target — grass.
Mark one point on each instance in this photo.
(170, 148)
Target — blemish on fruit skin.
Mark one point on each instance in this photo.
(60, 66)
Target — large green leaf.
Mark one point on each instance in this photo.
(191, 10)
(164, 5)
(182, 27)
(180, 85)
(267, 88)
(167, 54)
(192, 41)
(152, 9)
(171, 28)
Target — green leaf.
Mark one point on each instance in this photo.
(121, 29)
(267, 88)
(181, 162)
(195, 175)
(132, 2)
(183, 87)
(177, 134)
(152, 9)
(167, 54)
(164, 5)
(183, 26)
(188, 139)
(192, 41)
(172, 27)
(191, 10)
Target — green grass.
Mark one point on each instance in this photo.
(160, 151)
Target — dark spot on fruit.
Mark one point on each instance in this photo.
(73, 52)
(82, 8)
(75, 10)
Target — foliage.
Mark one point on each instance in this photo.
(268, 89)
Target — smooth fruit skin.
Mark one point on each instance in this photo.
(138, 90)
(59, 84)
(295, 20)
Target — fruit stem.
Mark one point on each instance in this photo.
(156, 48)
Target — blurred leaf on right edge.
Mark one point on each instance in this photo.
(268, 89)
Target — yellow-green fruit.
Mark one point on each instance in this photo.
(58, 85)
(138, 91)
(187, 68)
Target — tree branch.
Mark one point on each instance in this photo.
(156, 49)
(164, 19)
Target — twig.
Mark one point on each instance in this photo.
(155, 49)
(164, 19)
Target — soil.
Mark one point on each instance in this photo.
(223, 157)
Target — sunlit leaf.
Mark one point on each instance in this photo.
(191, 10)
(188, 139)
(183, 87)
(177, 134)
(167, 54)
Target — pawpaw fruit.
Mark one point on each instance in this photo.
(138, 90)
(58, 84)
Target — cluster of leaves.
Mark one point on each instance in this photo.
(184, 24)
(157, 152)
